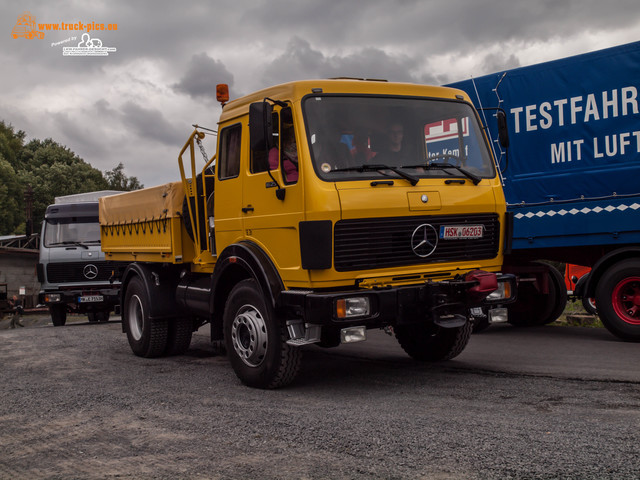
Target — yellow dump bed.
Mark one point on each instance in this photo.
(145, 225)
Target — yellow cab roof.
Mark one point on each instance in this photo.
(295, 91)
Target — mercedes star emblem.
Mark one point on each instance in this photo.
(424, 240)
(90, 271)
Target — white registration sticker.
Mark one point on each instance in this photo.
(456, 232)
(90, 298)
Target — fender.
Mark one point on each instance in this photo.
(160, 285)
(604, 263)
(239, 261)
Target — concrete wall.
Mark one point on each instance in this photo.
(18, 269)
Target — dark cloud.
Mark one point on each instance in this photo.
(138, 103)
(201, 76)
(301, 61)
(150, 124)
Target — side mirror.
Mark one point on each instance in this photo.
(261, 126)
(503, 130)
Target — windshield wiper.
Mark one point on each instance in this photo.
(444, 166)
(79, 244)
(376, 168)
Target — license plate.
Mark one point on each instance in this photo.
(457, 232)
(90, 298)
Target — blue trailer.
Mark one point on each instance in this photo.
(572, 179)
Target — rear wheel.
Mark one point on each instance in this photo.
(618, 299)
(147, 338)
(58, 314)
(589, 305)
(179, 335)
(433, 343)
(256, 339)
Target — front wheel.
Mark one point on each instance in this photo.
(147, 338)
(618, 299)
(256, 339)
(58, 314)
(431, 343)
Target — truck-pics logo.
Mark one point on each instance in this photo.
(26, 27)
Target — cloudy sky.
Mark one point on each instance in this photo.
(137, 105)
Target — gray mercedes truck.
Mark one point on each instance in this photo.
(74, 276)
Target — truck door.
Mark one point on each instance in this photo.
(271, 218)
(228, 187)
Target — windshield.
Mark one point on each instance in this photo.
(362, 137)
(69, 231)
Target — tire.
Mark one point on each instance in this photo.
(179, 335)
(103, 316)
(431, 343)
(58, 314)
(618, 299)
(535, 308)
(147, 338)
(92, 316)
(589, 305)
(256, 339)
(559, 303)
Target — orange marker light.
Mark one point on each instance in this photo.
(222, 93)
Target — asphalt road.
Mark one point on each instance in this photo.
(548, 402)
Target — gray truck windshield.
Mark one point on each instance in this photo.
(349, 135)
(64, 232)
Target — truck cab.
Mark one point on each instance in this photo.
(72, 270)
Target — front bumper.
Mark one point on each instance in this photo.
(427, 302)
(82, 300)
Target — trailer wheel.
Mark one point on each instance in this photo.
(147, 338)
(432, 343)
(535, 308)
(92, 317)
(179, 335)
(58, 314)
(256, 339)
(618, 299)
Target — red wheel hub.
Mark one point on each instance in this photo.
(625, 299)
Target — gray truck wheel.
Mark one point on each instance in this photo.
(431, 343)
(256, 340)
(179, 335)
(58, 314)
(147, 338)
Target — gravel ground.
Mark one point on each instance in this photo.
(77, 404)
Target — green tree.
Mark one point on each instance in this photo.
(117, 180)
(10, 144)
(52, 170)
(11, 214)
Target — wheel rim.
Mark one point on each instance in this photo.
(135, 317)
(626, 300)
(249, 335)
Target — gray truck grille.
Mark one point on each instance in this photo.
(73, 272)
(370, 243)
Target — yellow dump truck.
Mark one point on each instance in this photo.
(330, 208)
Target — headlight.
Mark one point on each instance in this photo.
(352, 307)
(502, 292)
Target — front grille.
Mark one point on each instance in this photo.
(73, 272)
(386, 242)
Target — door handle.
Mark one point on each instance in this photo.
(247, 209)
